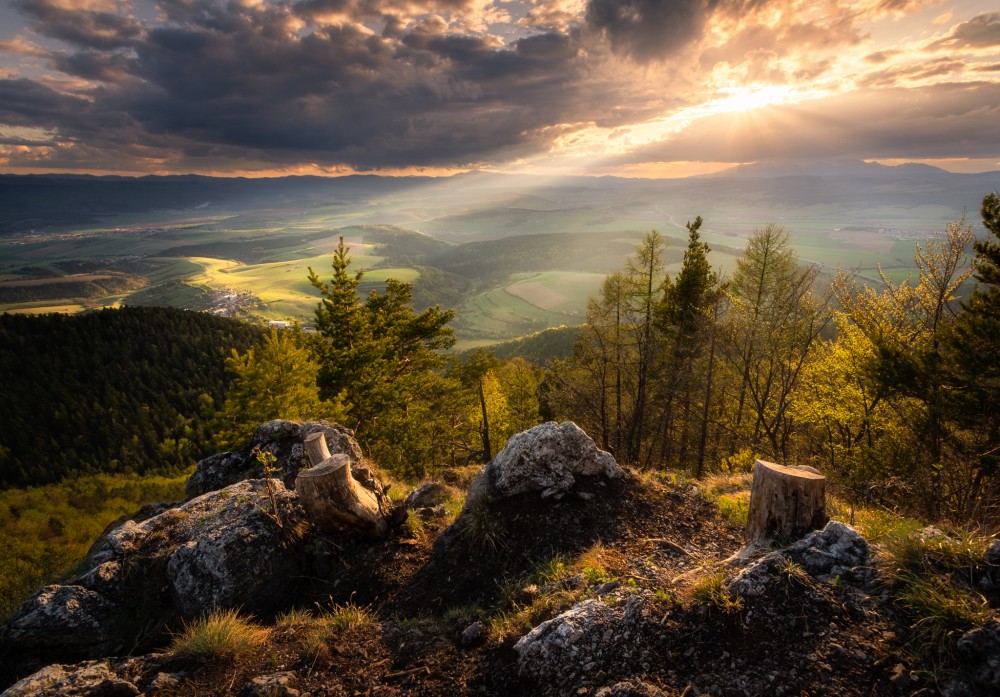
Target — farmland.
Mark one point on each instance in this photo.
(511, 258)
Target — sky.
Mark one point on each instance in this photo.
(638, 88)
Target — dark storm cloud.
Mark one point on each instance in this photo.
(27, 103)
(84, 28)
(945, 120)
(649, 29)
(221, 80)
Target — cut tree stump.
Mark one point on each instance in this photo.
(333, 499)
(316, 448)
(785, 503)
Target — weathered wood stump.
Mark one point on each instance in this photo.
(316, 448)
(332, 497)
(785, 502)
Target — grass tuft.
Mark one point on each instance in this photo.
(221, 634)
(711, 590)
(483, 530)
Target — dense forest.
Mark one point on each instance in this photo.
(112, 391)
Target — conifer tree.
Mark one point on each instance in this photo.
(973, 347)
(381, 359)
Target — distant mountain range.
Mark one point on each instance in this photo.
(53, 201)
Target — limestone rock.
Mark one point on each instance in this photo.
(838, 550)
(473, 635)
(992, 556)
(224, 549)
(551, 646)
(588, 639)
(284, 439)
(91, 679)
(64, 621)
(980, 652)
(545, 459)
(273, 685)
(754, 580)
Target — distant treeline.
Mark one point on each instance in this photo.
(112, 391)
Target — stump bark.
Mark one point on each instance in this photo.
(785, 502)
(332, 497)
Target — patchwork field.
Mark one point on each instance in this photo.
(511, 260)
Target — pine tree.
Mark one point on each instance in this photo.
(973, 347)
(276, 380)
(380, 358)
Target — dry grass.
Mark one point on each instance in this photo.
(221, 634)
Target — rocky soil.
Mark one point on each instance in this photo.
(561, 575)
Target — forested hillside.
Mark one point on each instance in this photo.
(110, 391)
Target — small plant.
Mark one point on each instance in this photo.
(453, 507)
(267, 460)
(331, 623)
(295, 618)
(221, 634)
(595, 575)
(711, 590)
(553, 569)
(664, 597)
(415, 524)
(482, 530)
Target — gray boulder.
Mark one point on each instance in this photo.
(283, 439)
(586, 641)
(838, 550)
(225, 549)
(546, 459)
(992, 556)
(91, 679)
(565, 642)
(64, 620)
(980, 652)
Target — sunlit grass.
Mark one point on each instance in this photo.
(220, 635)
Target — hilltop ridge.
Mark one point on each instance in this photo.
(611, 583)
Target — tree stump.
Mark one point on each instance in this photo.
(334, 500)
(316, 448)
(785, 502)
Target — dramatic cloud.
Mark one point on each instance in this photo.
(371, 84)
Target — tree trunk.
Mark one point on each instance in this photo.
(334, 500)
(785, 502)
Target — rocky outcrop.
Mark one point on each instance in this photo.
(284, 440)
(585, 644)
(64, 620)
(980, 652)
(545, 462)
(91, 679)
(233, 548)
(546, 459)
(837, 551)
